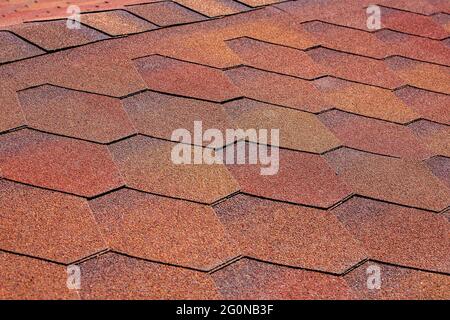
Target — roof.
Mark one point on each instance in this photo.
(86, 177)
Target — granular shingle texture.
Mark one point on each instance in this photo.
(224, 149)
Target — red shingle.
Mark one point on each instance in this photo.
(430, 105)
(414, 47)
(116, 22)
(13, 48)
(100, 68)
(442, 19)
(47, 224)
(76, 114)
(256, 3)
(58, 163)
(395, 180)
(52, 35)
(419, 6)
(249, 279)
(435, 136)
(440, 166)
(278, 89)
(420, 74)
(287, 65)
(275, 58)
(158, 115)
(12, 115)
(33, 279)
(213, 8)
(374, 135)
(355, 68)
(364, 100)
(346, 39)
(162, 229)
(113, 276)
(399, 283)
(412, 23)
(184, 78)
(289, 234)
(398, 235)
(302, 178)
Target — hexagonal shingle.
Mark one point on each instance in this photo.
(165, 13)
(301, 178)
(288, 234)
(158, 115)
(33, 279)
(47, 224)
(374, 135)
(142, 225)
(75, 114)
(147, 165)
(13, 48)
(53, 35)
(398, 235)
(254, 280)
(113, 276)
(57, 163)
(298, 130)
(184, 78)
(400, 181)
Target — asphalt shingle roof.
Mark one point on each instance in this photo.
(86, 126)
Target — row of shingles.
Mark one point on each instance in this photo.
(316, 63)
(251, 227)
(378, 44)
(113, 276)
(382, 44)
(58, 34)
(390, 73)
(113, 22)
(335, 240)
(353, 14)
(424, 7)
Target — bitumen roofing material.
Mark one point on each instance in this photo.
(87, 179)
